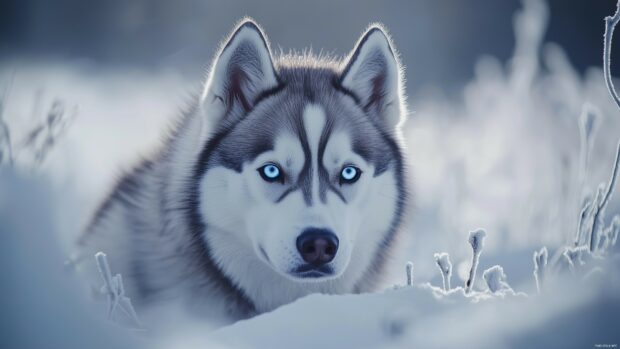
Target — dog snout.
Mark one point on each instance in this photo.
(317, 246)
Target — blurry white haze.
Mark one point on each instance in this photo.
(506, 157)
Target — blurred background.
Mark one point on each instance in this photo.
(440, 40)
(496, 93)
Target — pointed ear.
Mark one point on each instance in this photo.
(242, 71)
(373, 74)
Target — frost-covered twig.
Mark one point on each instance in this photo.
(608, 236)
(602, 197)
(575, 256)
(476, 240)
(601, 202)
(6, 149)
(583, 216)
(588, 125)
(43, 137)
(40, 139)
(114, 290)
(409, 270)
(591, 220)
(496, 279)
(445, 267)
(610, 25)
(613, 231)
(540, 265)
(564, 263)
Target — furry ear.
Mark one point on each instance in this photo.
(241, 72)
(373, 74)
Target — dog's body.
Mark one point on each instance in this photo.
(286, 178)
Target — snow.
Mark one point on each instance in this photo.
(43, 304)
(424, 317)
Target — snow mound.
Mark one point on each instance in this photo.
(425, 316)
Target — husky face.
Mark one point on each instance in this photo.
(302, 169)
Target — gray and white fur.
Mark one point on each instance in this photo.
(285, 178)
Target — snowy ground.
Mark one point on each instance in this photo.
(507, 157)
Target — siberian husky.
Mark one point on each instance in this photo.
(285, 178)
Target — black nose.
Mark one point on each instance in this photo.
(317, 246)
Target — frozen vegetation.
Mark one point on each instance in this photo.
(445, 267)
(532, 157)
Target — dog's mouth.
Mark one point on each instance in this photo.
(309, 271)
(306, 271)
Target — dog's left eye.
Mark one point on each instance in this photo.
(350, 174)
(271, 173)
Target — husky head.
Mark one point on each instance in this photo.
(302, 169)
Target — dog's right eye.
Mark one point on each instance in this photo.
(271, 173)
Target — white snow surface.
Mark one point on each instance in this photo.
(425, 317)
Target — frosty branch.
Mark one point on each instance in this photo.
(610, 25)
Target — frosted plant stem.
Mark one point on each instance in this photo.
(106, 275)
(476, 240)
(540, 265)
(5, 136)
(604, 201)
(472, 272)
(588, 124)
(113, 287)
(445, 267)
(5, 133)
(409, 270)
(610, 25)
(582, 217)
(496, 280)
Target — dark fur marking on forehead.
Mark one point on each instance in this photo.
(308, 91)
(304, 180)
(324, 178)
(233, 161)
(376, 156)
(268, 93)
(245, 152)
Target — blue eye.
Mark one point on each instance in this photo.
(350, 174)
(271, 173)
